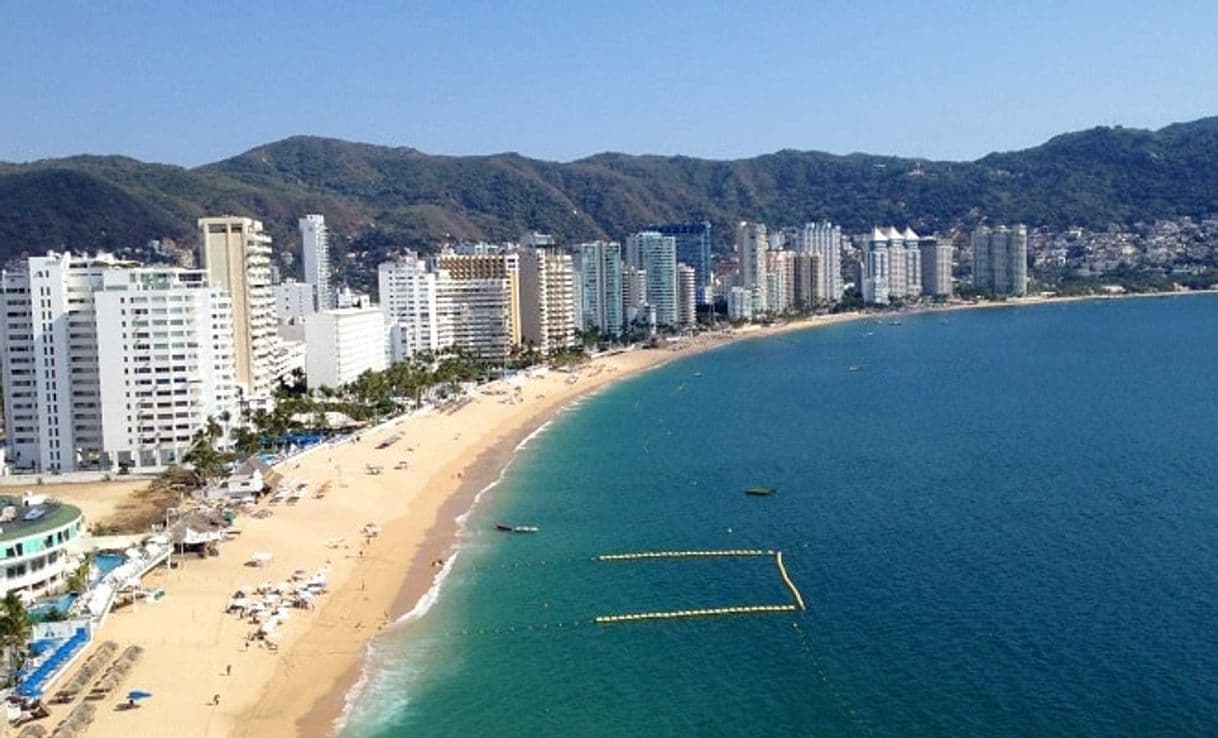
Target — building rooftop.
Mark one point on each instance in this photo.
(33, 519)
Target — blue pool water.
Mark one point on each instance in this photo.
(59, 605)
(107, 562)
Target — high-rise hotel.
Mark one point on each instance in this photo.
(598, 276)
(825, 240)
(1000, 260)
(547, 299)
(110, 365)
(315, 251)
(656, 254)
(236, 254)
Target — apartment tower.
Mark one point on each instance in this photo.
(236, 254)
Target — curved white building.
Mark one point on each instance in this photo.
(34, 536)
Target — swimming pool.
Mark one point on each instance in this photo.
(60, 605)
(107, 561)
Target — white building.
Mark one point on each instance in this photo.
(342, 344)
(780, 280)
(739, 303)
(236, 254)
(656, 254)
(634, 292)
(417, 311)
(892, 264)
(687, 295)
(293, 300)
(547, 299)
(825, 239)
(345, 297)
(35, 535)
(315, 249)
(598, 269)
(108, 364)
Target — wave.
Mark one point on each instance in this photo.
(372, 666)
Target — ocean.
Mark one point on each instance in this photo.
(1003, 522)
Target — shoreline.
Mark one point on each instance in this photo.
(441, 542)
(453, 458)
(329, 714)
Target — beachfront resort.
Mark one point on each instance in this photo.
(273, 427)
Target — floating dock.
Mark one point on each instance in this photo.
(702, 613)
(685, 554)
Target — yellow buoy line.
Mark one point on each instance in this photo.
(684, 554)
(701, 613)
(706, 612)
(782, 571)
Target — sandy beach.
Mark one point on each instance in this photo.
(195, 652)
(190, 641)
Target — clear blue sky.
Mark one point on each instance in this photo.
(189, 83)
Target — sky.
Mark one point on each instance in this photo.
(191, 83)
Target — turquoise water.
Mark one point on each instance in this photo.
(1005, 523)
(107, 562)
(57, 606)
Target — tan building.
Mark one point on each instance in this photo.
(469, 267)
(547, 299)
(810, 281)
(236, 255)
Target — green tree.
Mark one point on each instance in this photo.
(208, 462)
(15, 624)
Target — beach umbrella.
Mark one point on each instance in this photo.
(138, 694)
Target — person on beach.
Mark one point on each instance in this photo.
(228, 670)
(215, 700)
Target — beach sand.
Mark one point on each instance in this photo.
(300, 690)
(190, 642)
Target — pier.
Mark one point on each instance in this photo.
(701, 613)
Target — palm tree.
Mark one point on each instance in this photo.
(15, 627)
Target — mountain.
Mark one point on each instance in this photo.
(378, 199)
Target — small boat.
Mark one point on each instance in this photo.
(894, 322)
(516, 528)
(853, 368)
(760, 491)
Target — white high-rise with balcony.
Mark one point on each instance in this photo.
(417, 311)
(657, 255)
(824, 239)
(236, 254)
(315, 250)
(111, 365)
(598, 273)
